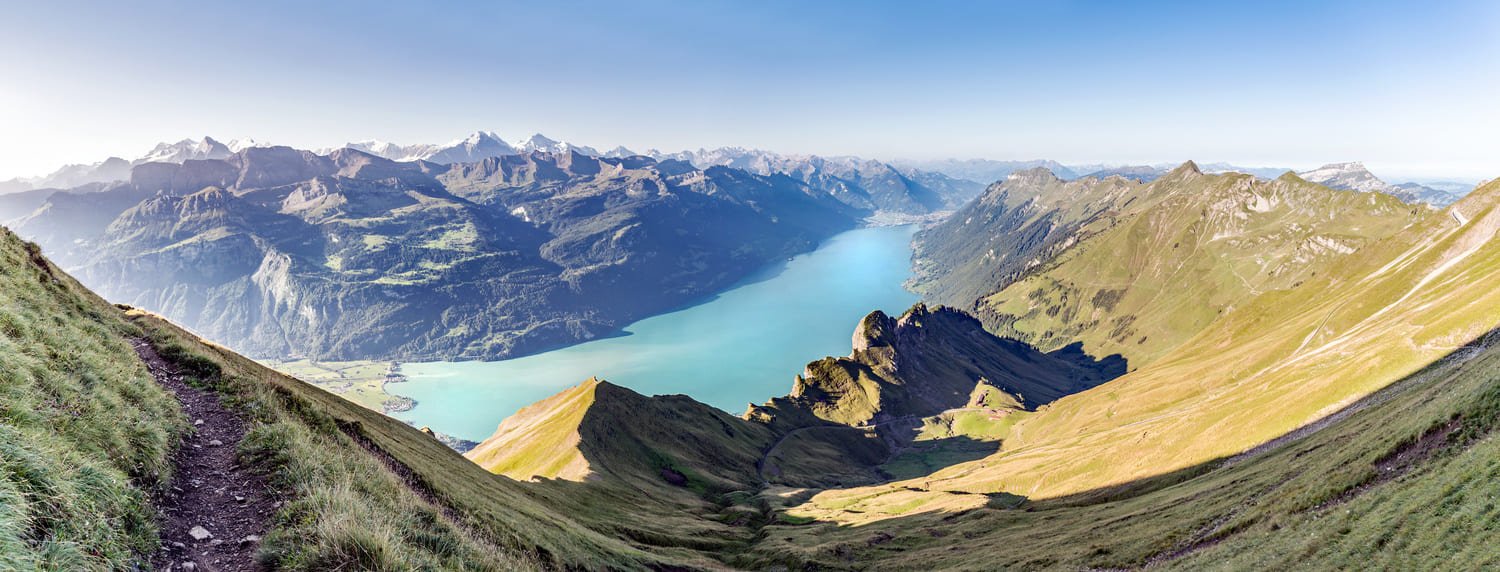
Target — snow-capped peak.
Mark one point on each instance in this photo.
(243, 143)
(184, 150)
(539, 142)
(475, 138)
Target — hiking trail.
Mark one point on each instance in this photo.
(214, 514)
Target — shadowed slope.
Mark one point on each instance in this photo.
(844, 417)
(598, 430)
(928, 361)
(1283, 360)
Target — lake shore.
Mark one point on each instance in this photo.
(738, 347)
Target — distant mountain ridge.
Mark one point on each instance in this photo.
(1353, 176)
(858, 182)
(984, 171)
(1103, 261)
(902, 185)
(279, 251)
(118, 169)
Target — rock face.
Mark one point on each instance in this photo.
(277, 251)
(840, 420)
(1353, 176)
(927, 361)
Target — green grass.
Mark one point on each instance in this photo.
(1152, 276)
(1132, 472)
(376, 241)
(1316, 503)
(85, 433)
(86, 436)
(347, 510)
(362, 382)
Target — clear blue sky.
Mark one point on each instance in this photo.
(1408, 87)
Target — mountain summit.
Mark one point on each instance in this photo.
(1353, 176)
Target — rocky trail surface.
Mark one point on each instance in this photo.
(213, 515)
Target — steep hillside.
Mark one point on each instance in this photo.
(283, 252)
(86, 437)
(599, 431)
(1137, 269)
(925, 362)
(1196, 246)
(1013, 226)
(1342, 424)
(844, 418)
(89, 439)
(1373, 317)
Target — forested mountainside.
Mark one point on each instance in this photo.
(275, 251)
(1339, 422)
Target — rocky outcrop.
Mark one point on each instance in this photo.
(925, 362)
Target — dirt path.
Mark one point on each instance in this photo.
(213, 517)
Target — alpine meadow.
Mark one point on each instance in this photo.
(968, 286)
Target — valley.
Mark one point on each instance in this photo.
(598, 286)
(933, 442)
(739, 347)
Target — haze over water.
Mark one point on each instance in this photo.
(744, 345)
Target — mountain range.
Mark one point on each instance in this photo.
(1305, 376)
(953, 181)
(1315, 300)
(1103, 262)
(276, 251)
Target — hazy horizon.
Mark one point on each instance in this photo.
(1401, 88)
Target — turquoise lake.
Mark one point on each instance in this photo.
(741, 346)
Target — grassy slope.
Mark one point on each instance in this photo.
(85, 433)
(350, 507)
(1354, 495)
(923, 363)
(1279, 362)
(1380, 315)
(1169, 265)
(1025, 218)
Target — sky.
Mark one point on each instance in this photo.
(1407, 87)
